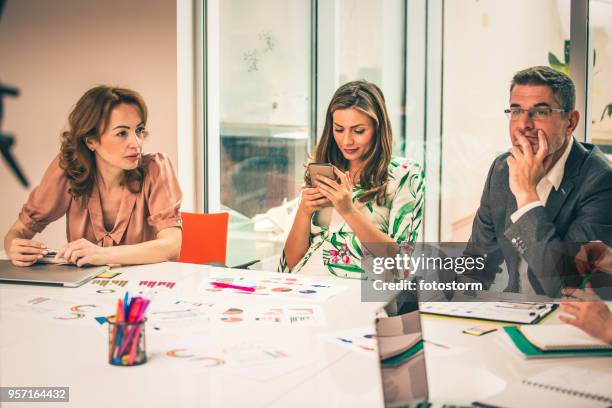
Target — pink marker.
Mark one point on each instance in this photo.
(143, 309)
(228, 286)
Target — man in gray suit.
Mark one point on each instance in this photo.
(548, 193)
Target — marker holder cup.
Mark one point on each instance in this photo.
(126, 342)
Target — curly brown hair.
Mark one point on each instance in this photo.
(368, 99)
(89, 119)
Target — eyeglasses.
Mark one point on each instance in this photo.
(540, 113)
(141, 132)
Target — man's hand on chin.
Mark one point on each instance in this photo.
(526, 169)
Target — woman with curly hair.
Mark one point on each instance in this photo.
(376, 201)
(121, 206)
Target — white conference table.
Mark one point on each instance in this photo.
(43, 352)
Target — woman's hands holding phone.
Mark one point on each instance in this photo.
(312, 200)
(339, 193)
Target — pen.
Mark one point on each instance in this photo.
(437, 344)
(520, 306)
(114, 338)
(520, 311)
(136, 337)
(118, 321)
(585, 280)
(126, 304)
(228, 286)
(132, 318)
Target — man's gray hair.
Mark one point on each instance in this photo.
(562, 85)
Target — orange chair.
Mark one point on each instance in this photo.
(204, 238)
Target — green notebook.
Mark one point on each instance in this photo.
(406, 355)
(531, 351)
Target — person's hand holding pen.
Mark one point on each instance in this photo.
(588, 313)
(592, 256)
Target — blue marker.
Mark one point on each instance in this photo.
(126, 306)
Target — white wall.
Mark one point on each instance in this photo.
(53, 51)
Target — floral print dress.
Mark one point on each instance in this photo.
(334, 247)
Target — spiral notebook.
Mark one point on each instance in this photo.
(558, 387)
(514, 337)
(561, 337)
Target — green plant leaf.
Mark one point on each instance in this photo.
(608, 110)
(553, 60)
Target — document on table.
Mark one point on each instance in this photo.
(511, 312)
(360, 340)
(257, 359)
(58, 308)
(118, 285)
(256, 314)
(558, 387)
(273, 285)
(170, 313)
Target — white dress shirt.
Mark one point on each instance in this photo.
(551, 179)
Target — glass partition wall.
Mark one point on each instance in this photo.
(278, 66)
(271, 67)
(600, 36)
(264, 117)
(483, 49)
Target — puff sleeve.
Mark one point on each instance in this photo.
(164, 195)
(406, 212)
(48, 201)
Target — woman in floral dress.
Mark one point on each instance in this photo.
(376, 202)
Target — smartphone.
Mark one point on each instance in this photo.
(51, 253)
(321, 169)
(49, 258)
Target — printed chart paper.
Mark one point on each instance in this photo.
(281, 286)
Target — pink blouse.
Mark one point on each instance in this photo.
(140, 217)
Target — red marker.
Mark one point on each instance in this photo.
(228, 286)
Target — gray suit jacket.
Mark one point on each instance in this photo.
(546, 237)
